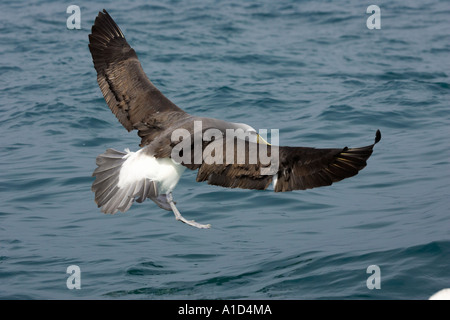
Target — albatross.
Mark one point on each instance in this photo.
(153, 171)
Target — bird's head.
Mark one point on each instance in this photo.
(251, 135)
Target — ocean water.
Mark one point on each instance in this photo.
(311, 69)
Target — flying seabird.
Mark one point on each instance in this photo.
(152, 172)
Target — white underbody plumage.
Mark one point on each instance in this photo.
(139, 165)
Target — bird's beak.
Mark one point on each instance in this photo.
(260, 140)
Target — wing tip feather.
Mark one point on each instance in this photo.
(377, 136)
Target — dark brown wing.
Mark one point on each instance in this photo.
(234, 172)
(131, 96)
(306, 168)
(299, 168)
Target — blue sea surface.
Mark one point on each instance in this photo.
(311, 69)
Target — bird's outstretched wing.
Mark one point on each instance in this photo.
(306, 168)
(131, 96)
(299, 168)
